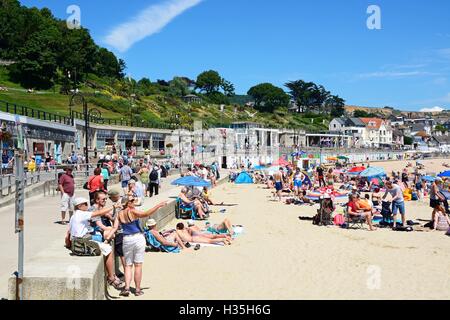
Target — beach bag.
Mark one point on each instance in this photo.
(316, 220)
(86, 185)
(85, 247)
(339, 220)
(154, 176)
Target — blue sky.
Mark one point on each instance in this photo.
(406, 64)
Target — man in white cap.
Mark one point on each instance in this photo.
(80, 228)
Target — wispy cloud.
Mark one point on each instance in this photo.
(434, 109)
(444, 53)
(148, 22)
(445, 100)
(440, 81)
(394, 74)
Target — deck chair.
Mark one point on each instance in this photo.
(354, 222)
(184, 212)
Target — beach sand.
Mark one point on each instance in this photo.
(431, 165)
(281, 257)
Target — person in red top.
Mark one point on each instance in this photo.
(355, 211)
(95, 183)
(66, 185)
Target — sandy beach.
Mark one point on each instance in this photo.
(282, 257)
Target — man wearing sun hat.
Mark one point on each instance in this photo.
(80, 230)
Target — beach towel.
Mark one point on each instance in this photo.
(238, 230)
(157, 245)
(214, 245)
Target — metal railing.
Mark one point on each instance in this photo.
(33, 113)
(48, 116)
(8, 182)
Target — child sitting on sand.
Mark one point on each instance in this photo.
(441, 220)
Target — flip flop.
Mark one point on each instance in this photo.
(197, 247)
(139, 293)
(124, 293)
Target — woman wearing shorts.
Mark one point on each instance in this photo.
(435, 196)
(298, 181)
(133, 242)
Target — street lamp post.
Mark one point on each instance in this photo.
(87, 114)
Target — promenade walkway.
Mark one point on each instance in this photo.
(41, 229)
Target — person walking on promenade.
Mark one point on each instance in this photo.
(105, 174)
(125, 174)
(66, 185)
(95, 183)
(133, 241)
(155, 179)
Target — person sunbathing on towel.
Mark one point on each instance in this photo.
(172, 240)
(188, 235)
(224, 228)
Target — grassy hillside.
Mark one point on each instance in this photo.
(157, 108)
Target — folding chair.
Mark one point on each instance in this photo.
(354, 221)
(184, 212)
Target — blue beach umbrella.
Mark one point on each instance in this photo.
(259, 168)
(428, 178)
(191, 181)
(445, 174)
(373, 172)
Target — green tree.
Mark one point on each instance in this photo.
(217, 98)
(228, 88)
(178, 87)
(107, 64)
(37, 60)
(408, 141)
(336, 105)
(209, 81)
(268, 97)
(363, 114)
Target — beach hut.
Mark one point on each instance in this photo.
(244, 178)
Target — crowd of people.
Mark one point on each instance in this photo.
(109, 222)
(376, 201)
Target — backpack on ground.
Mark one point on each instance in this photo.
(85, 247)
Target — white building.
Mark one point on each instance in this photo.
(378, 133)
